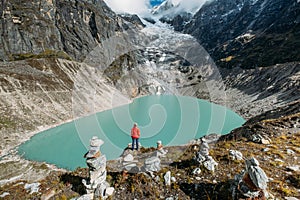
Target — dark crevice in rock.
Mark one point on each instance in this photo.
(93, 27)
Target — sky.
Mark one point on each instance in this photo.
(142, 7)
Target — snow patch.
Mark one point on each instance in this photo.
(175, 7)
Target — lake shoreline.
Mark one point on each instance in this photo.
(175, 120)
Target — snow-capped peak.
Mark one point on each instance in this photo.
(163, 7)
(175, 7)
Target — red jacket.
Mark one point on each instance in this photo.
(135, 132)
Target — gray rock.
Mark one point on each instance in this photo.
(257, 175)
(210, 164)
(290, 152)
(33, 187)
(135, 170)
(86, 197)
(279, 160)
(294, 168)
(251, 194)
(211, 138)
(266, 149)
(109, 191)
(100, 191)
(152, 164)
(170, 198)
(167, 178)
(129, 167)
(204, 145)
(252, 162)
(160, 153)
(291, 198)
(157, 179)
(200, 158)
(101, 179)
(235, 155)
(151, 160)
(260, 139)
(204, 152)
(96, 163)
(196, 171)
(4, 194)
(128, 158)
(96, 142)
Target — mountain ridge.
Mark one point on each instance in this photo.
(273, 27)
(74, 27)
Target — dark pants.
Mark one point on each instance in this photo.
(136, 142)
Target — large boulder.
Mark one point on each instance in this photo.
(251, 182)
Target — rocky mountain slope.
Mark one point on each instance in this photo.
(173, 13)
(61, 60)
(36, 93)
(248, 33)
(74, 28)
(166, 65)
(42, 84)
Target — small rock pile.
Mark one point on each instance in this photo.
(96, 186)
(141, 163)
(160, 151)
(203, 158)
(152, 164)
(251, 183)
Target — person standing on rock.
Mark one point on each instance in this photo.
(135, 135)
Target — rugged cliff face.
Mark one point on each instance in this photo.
(44, 76)
(248, 33)
(38, 93)
(54, 28)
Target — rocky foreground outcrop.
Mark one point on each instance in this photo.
(246, 168)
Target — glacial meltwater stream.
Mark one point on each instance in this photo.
(174, 120)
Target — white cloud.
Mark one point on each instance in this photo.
(140, 7)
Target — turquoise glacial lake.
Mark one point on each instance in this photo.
(174, 120)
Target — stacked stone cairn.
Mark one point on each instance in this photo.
(160, 151)
(151, 163)
(251, 182)
(203, 158)
(96, 186)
